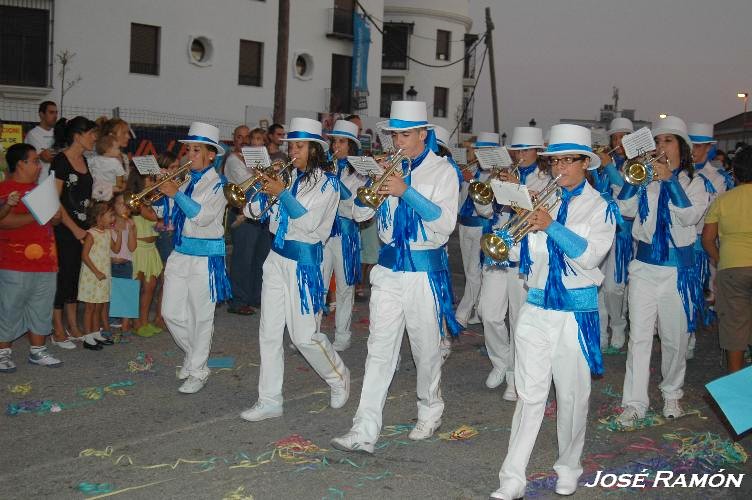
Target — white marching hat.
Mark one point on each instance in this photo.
(568, 138)
(701, 133)
(305, 129)
(407, 115)
(487, 140)
(442, 136)
(526, 138)
(346, 129)
(672, 125)
(620, 124)
(203, 133)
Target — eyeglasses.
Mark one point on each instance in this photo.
(565, 160)
(35, 161)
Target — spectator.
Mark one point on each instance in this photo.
(169, 163)
(121, 258)
(12, 201)
(258, 138)
(107, 168)
(27, 265)
(42, 137)
(73, 182)
(275, 136)
(728, 221)
(121, 131)
(720, 161)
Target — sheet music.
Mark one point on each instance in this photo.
(459, 155)
(365, 165)
(147, 165)
(508, 193)
(256, 157)
(385, 138)
(43, 201)
(638, 142)
(490, 158)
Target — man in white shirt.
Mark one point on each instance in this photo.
(43, 136)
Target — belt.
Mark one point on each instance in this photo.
(303, 253)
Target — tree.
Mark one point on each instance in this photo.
(64, 58)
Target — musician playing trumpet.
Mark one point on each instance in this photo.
(557, 330)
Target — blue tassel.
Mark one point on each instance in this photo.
(687, 283)
(331, 180)
(385, 216)
(219, 281)
(443, 296)
(642, 203)
(624, 250)
(709, 187)
(662, 235)
(430, 141)
(589, 332)
(310, 280)
(351, 258)
(336, 227)
(526, 262)
(728, 179)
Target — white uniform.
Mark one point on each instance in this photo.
(405, 299)
(281, 295)
(653, 294)
(187, 305)
(547, 346)
(334, 259)
(502, 289)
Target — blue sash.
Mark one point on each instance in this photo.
(309, 257)
(350, 233)
(214, 249)
(421, 260)
(677, 257)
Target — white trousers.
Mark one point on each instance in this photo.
(502, 290)
(470, 250)
(345, 294)
(280, 307)
(547, 348)
(398, 301)
(653, 295)
(612, 303)
(188, 311)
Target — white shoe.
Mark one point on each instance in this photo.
(565, 487)
(504, 494)
(618, 339)
(351, 442)
(423, 430)
(183, 373)
(65, 344)
(192, 385)
(629, 417)
(671, 409)
(341, 345)
(690, 354)
(495, 378)
(340, 395)
(6, 363)
(510, 393)
(43, 358)
(446, 349)
(260, 411)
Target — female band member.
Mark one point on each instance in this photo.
(195, 277)
(293, 292)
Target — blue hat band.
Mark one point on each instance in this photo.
(343, 133)
(395, 123)
(568, 146)
(701, 138)
(486, 145)
(201, 138)
(305, 136)
(525, 146)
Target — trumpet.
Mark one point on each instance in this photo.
(236, 193)
(369, 195)
(601, 149)
(640, 172)
(151, 195)
(498, 243)
(279, 170)
(481, 192)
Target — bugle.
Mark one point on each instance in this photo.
(283, 173)
(151, 195)
(369, 195)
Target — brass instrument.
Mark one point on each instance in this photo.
(278, 170)
(481, 192)
(497, 244)
(601, 149)
(369, 195)
(640, 172)
(151, 195)
(236, 193)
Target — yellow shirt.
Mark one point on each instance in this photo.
(732, 211)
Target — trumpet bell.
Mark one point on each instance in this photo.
(235, 195)
(638, 174)
(495, 247)
(480, 192)
(132, 201)
(369, 197)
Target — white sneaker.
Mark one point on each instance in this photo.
(183, 373)
(504, 494)
(671, 409)
(423, 430)
(510, 393)
(565, 487)
(340, 394)
(260, 411)
(341, 345)
(43, 358)
(192, 385)
(495, 378)
(351, 442)
(618, 339)
(65, 344)
(6, 363)
(629, 417)
(446, 349)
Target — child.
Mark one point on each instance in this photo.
(11, 202)
(164, 208)
(107, 169)
(124, 238)
(94, 282)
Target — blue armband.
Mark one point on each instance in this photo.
(571, 243)
(344, 193)
(614, 177)
(188, 205)
(293, 206)
(676, 194)
(425, 208)
(627, 191)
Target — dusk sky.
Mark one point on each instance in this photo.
(560, 58)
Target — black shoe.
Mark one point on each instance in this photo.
(93, 347)
(106, 341)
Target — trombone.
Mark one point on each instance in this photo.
(278, 170)
(481, 192)
(369, 195)
(640, 172)
(151, 195)
(497, 244)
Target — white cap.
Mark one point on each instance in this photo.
(487, 140)
(526, 138)
(347, 129)
(305, 129)
(672, 125)
(620, 124)
(568, 138)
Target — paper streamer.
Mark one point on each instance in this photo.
(20, 389)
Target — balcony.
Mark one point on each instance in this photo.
(340, 23)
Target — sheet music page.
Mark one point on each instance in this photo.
(385, 137)
(365, 165)
(507, 193)
(147, 165)
(490, 158)
(255, 157)
(638, 142)
(459, 155)
(43, 201)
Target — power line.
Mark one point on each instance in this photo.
(472, 94)
(418, 36)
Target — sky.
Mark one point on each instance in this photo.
(560, 59)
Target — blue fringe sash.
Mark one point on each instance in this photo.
(624, 251)
(308, 257)
(214, 249)
(350, 233)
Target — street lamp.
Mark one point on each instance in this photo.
(504, 139)
(531, 122)
(411, 93)
(662, 116)
(745, 97)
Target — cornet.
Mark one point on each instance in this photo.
(151, 195)
(498, 243)
(284, 174)
(369, 195)
(640, 172)
(236, 193)
(480, 191)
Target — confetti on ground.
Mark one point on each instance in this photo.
(459, 434)
(238, 494)
(651, 419)
(97, 393)
(20, 389)
(95, 488)
(37, 406)
(612, 351)
(708, 447)
(611, 392)
(143, 363)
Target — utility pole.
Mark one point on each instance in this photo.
(283, 42)
(492, 67)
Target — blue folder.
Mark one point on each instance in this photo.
(124, 298)
(733, 393)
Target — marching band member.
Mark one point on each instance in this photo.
(662, 277)
(503, 284)
(470, 231)
(411, 285)
(342, 250)
(557, 333)
(293, 293)
(612, 296)
(195, 277)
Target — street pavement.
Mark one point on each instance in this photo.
(100, 426)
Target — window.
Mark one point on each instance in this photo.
(394, 47)
(442, 44)
(469, 63)
(440, 96)
(341, 24)
(24, 46)
(145, 49)
(250, 65)
(390, 92)
(340, 98)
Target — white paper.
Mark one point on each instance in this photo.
(638, 142)
(459, 155)
(256, 157)
(385, 138)
(365, 165)
(147, 165)
(43, 201)
(490, 158)
(508, 193)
